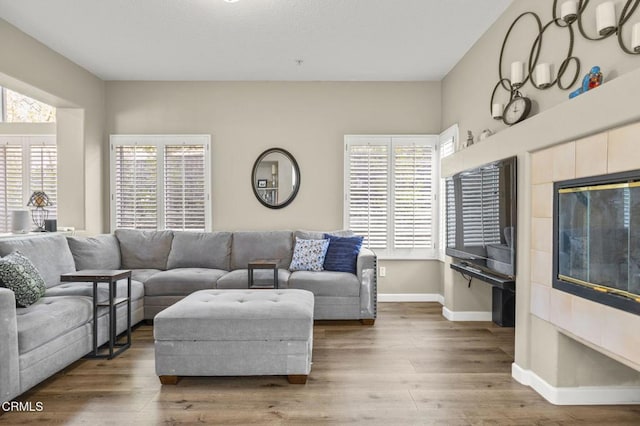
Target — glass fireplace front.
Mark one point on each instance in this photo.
(597, 239)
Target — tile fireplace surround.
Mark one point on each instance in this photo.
(606, 329)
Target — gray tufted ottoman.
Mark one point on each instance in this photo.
(236, 333)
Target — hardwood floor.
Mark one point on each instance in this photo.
(411, 367)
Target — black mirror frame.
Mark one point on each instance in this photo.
(297, 171)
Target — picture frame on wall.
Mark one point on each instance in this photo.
(262, 183)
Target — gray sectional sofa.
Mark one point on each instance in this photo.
(38, 341)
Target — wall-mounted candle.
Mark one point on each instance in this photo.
(569, 11)
(496, 111)
(606, 18)
(517, 73)
(635, 37)
(543, 75)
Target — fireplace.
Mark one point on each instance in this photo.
(596, 243)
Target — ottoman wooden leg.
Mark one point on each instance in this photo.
(168, 380)
(297, 379)
(368, 321)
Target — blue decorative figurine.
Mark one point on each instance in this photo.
(590, 81)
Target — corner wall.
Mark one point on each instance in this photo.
(466, 96)
(28, 66)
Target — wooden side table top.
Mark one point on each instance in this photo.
(103, 275)
(263, 264)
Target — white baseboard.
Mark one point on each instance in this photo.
(465, 315)
(582, 395)
(411, 297)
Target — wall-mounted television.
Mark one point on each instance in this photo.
(481, 217)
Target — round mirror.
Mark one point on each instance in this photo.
(275, 178)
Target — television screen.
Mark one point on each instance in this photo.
(481, 217)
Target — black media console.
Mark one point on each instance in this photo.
(503, 293)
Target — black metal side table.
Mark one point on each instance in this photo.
(263, 264)
(111, 277)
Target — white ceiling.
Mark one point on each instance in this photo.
(340, 40)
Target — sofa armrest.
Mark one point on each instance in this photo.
(9, 367)
(367, 271)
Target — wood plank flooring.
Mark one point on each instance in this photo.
(411, 367)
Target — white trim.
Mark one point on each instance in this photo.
(465, 315)
(582, 395)
(411, 297)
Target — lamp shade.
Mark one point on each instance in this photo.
(39, 199)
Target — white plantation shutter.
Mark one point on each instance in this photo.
(389, 193)
(136, 186)
(43, 175)
(11, 189)
(160, 182)
(413, 195)
(447, 145)
(450, 214)
(368, 193)
(27, 164)
(481, 207)
(184, 187)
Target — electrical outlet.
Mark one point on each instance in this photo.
(383, 271)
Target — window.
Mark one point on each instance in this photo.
(447, 142)
(390, 193)
(160, 182)
(27, 164)
(18, 108)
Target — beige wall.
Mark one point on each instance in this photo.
(466, 90)
(307, 119)
(31, 68)
(466, 94)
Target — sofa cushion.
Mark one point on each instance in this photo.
(200, 250)
(249, 246)
(239, 278)
(50, 255)
(99, 252)
(143, 275)
(342, 254)
(181, 281)
(86, 289)
(49, 318)
(319, 235)
(326, 283)
(144, 249)
(18, 274)
(308, 255)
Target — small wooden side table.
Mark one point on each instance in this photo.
(263, 264)
(110, 277)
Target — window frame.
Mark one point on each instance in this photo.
(160, 141)
(391, 253)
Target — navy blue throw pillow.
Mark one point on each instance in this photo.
(342, 253)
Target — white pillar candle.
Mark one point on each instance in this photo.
(606, 18)
(273, 169)
(543, 75)
(635, 37)
(569, 11)
(517, 73)
(496, 110)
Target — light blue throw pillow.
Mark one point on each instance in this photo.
(308, 255)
